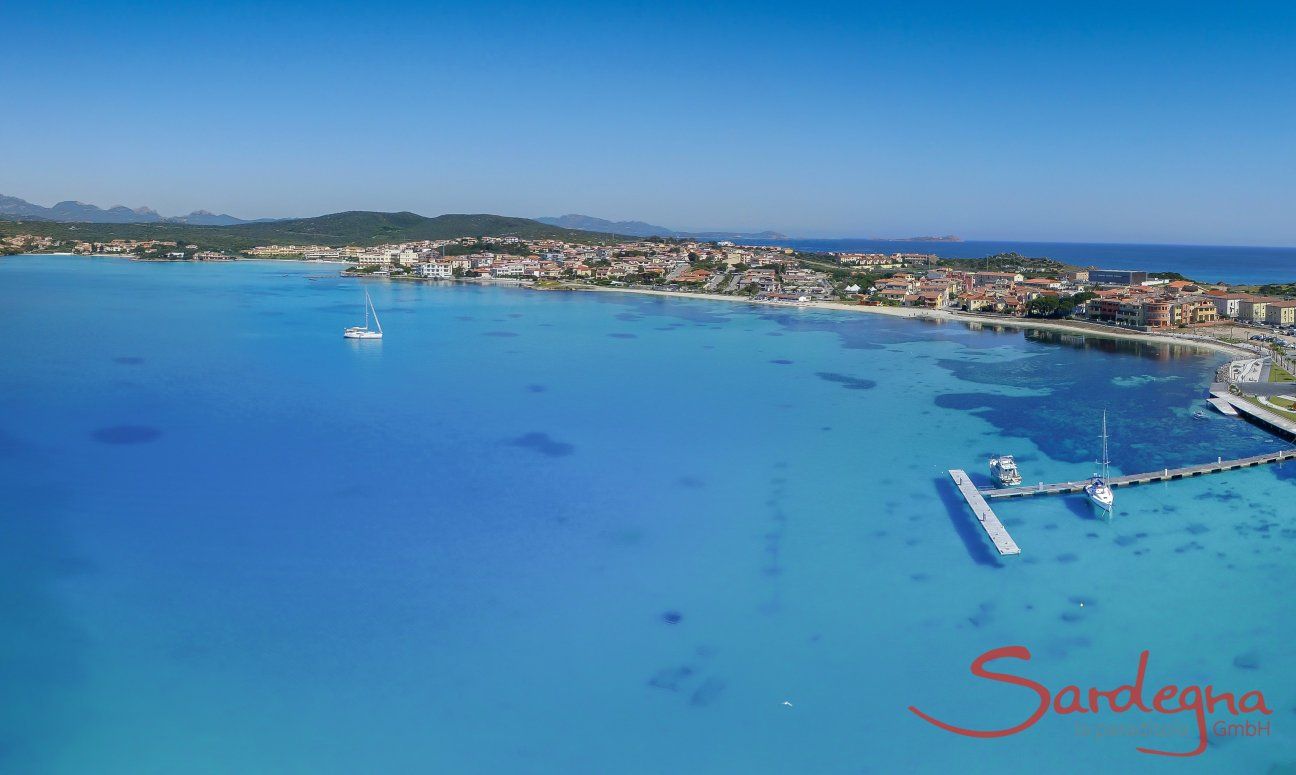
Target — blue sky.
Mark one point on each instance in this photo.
(1134, 122)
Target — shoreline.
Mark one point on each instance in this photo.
(1064, 326)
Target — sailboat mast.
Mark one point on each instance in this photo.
(1105, 461)
(377, 322)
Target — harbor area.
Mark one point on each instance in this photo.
(1236, 395)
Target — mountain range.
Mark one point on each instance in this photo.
(641, 229)
(337, 229)
(70, 211)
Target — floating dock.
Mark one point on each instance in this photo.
(984, 514)
(1164, 475)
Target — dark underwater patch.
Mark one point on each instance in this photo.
(542, 443)
(846, 381)
(706, 693)
(983, 616)
(670, 678)
(672, 617)
(536, 388)
(782, 361)
(620, 335)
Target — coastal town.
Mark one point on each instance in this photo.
(1007, 285)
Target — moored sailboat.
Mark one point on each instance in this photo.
(1099, 491)
(364, 332)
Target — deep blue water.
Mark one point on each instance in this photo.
(578, 532)
(1206, 263)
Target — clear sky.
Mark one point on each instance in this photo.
(1088, 121)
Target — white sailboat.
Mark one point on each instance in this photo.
(1099, 491)
(364, 332)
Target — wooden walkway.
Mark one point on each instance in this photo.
(1164, 475)
(984, 514)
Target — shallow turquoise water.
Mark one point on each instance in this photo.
(545, 532)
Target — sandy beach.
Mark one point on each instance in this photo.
(1066, 326)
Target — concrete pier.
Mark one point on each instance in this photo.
(1270, 421)
(1223, 406)
(984, 514)
(1164, 475)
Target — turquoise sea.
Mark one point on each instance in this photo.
(595, 533)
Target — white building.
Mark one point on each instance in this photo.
(1227, 305)
(435, 270)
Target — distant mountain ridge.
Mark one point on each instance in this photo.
(356, 227)
(641, 229)
(71, 211)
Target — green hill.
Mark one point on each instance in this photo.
(350, 228)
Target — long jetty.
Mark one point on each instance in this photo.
(1164, 475)
(998, 534)
(1220, 396)
(984, 514)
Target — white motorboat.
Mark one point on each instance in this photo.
(364, 332)
(1004, 470)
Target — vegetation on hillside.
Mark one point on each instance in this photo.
(1277, 289)
(1009, 262)
(338, 229)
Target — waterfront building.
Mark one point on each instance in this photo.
(435, 270)
(1226, 304)
(1116, 277)
(1280, 313)
(1252, 308)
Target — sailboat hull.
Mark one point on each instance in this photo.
(1101, 498)
(362, 334)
